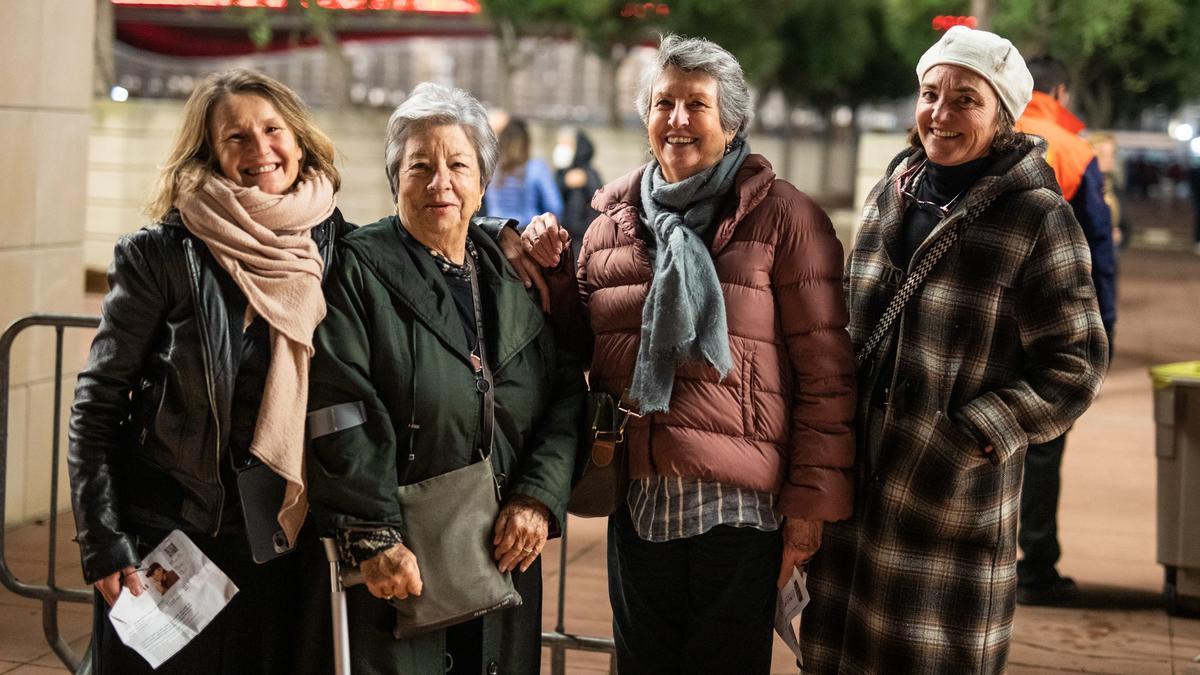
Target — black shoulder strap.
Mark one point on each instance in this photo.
(912, 282)
(479, 360)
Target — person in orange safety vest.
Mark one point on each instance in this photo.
(1078, 173)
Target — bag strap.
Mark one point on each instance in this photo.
(479, 361)
(913, 281)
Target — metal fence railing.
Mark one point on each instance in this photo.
(49, 593)
(558, 641)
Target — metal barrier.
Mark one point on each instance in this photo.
(49, 593)
(557, 641)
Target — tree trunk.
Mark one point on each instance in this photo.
(612, 68)
(826, 164)
(319, 22)
(982, 10)
(104, 74)
(789, 141)
(508, 46)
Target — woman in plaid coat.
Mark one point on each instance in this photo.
(999, 347)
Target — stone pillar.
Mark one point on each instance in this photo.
(45, 97)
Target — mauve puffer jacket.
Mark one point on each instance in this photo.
(781, 420)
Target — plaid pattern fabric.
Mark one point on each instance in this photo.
(1003, 342)
(665, 508)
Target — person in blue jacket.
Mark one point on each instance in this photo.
(523, 187)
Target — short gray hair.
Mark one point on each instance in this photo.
(697, 54)
(432, 104)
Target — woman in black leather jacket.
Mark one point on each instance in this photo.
(189, 413)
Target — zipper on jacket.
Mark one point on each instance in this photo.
(328, 256)
(206, 352)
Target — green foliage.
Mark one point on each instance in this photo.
(1125, 55)
(835, 52)
(746, 29)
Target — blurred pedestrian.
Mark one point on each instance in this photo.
(975, 322)
(1077, 171)
(198, 375)
(713, 291)
(1194, 184)
(523, 186)
(577, 181)
(1105, 145)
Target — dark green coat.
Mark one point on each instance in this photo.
(394, 340)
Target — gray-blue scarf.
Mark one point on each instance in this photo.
(684, 315)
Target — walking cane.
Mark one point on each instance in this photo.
(337, 597)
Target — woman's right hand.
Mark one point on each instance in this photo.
(545, 240)
(527, 268)
(393, 574)
(110, 586)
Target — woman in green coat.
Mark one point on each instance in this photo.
(402, 336)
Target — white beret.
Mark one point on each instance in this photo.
(991, 56)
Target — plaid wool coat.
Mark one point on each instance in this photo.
(1002, 345)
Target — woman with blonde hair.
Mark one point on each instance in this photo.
(187, 414)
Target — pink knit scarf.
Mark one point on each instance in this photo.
(264, 242)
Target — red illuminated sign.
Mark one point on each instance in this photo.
(428, 6)
(641, 10)
(946, 22)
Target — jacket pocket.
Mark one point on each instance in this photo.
(148, 406)
(749, 421)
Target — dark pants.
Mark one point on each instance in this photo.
(704, 604)
(1038, 534)
(278, 622)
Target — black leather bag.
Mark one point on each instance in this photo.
(601, 476)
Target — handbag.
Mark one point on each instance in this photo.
(448, 524)
(600, 476)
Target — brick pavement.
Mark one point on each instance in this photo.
(1107, 523)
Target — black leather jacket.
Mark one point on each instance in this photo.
(155, 396)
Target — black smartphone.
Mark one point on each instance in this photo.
(261, 492)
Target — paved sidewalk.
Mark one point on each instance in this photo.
(1107, 524)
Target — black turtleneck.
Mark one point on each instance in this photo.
(939, 185)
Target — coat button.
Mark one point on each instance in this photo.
(493, 668)
(502, 480)
(876, 479)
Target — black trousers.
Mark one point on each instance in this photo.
(1038, 533)
(278, 622)
(704, 604)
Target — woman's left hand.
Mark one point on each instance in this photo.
(521, 531)
(801, 539)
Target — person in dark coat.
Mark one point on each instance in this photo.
(404, 343)
(198, 373)
(1001, 346)
(578, 182)
(1077, 170)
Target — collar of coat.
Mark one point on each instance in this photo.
(1021, 169)
(511, 319)
(621, 199)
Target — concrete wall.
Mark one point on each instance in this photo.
(45, 96)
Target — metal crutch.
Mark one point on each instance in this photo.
(338, 583)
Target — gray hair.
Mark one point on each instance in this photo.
(432, 104)
(698, 54)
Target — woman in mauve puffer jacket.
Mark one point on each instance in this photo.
(713, 292)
